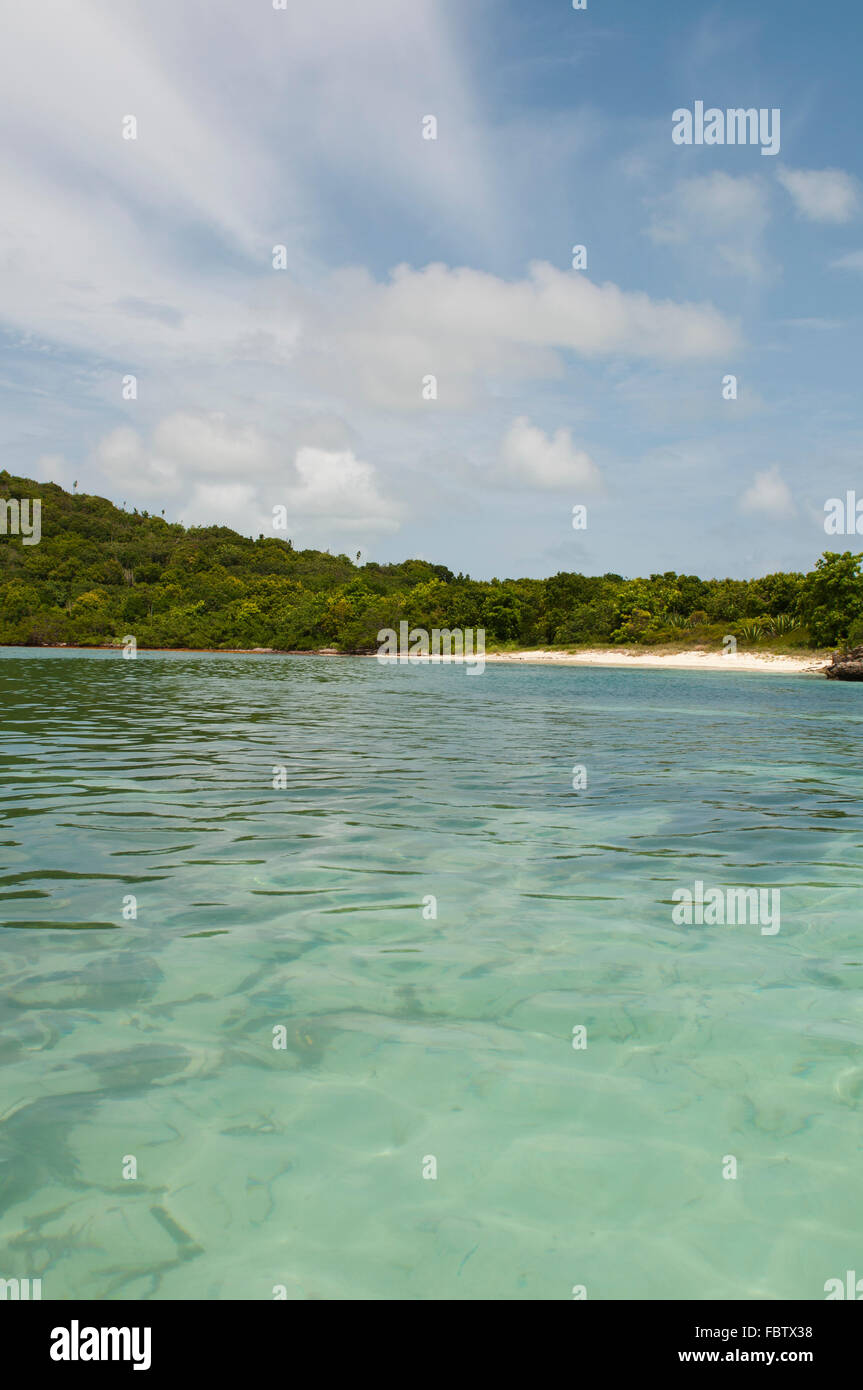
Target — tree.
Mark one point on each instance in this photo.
(99, 572)
(831, 597)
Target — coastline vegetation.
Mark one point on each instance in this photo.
(100, 572)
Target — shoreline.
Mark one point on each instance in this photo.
(691, 659)
(688, 660)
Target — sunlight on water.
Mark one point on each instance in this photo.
(407, 1036)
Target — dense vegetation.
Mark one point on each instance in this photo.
(100, 573)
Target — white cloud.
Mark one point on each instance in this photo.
(155, 253)
(344, 490)
(210, 444)
(249, 125)
(535, 459)
(183, 446)
(768, 495)
(464, 326)
(53, 468)
(722, 218)
(259, 127)
(129, 466)
(226, 504)
(216, 472)
(342, 87)
(822, 195)
(853, 260)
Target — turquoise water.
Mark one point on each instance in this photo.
(410, 1037)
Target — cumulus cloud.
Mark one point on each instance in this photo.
(466, 326)
(535, 459)
(183, 446)
(822, 195)
(768, 495)
(128, 464)
(233, 474)
(342, 489)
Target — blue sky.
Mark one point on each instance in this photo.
(404, 257)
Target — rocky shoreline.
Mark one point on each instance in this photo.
(846, 666)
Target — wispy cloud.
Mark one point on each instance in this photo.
(822, 195)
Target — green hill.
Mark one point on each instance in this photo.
(100, 572)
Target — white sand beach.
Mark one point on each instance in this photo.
(684, 660)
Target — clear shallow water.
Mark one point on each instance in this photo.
(409, 1037)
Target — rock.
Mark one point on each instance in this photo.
(263, 649)
(846, 666)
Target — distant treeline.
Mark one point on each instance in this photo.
(99, 573)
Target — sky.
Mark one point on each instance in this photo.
(327, 311)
